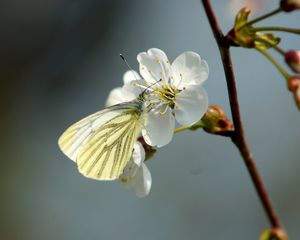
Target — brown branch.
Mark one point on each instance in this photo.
(238, 136)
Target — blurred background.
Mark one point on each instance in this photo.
(59, 59)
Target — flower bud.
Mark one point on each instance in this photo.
(294, 87)
(215, 120)
(292, 58)
(293, 83)
(274, 234)
(289, 5)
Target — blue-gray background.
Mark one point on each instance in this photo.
(59, 60)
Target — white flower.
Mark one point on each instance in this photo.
(136, 174)
(174, 91)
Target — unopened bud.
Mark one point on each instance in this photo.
(297, 97)
(292, 58)
(293, 83)
(289, 5)
(294, 87)
(274, 234)
(216, 121)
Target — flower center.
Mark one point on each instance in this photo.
(166, 94)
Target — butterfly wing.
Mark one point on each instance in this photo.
(105, 155)
(102, 143)
(73, 139)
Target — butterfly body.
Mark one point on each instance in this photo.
(101, 144)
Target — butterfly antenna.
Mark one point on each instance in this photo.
(149, 87)
(127, 64)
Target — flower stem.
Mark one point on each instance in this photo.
(194, 127)
(279, 50)
(181, 129)
(275, 63)
(272, 13)
(238, 136)
(280, 29)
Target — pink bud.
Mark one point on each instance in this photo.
(292, 58)
(293, 83)
(294, 87)
(289, 5)
(215, 120)
(297, 97)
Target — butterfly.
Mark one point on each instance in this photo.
(102, 144)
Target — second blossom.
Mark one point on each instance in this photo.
(174, 91)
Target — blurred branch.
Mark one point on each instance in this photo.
(238, 136)
(279, 29)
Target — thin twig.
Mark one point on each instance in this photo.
(279, 50)
(275, 63)
(238, 136)
(279, 29)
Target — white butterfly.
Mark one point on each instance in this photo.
(102, 143)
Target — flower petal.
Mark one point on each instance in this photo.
(143, 181)
(132, 80)
(119, 95)
(138, 154)
(128, 176)
(188, 69)
(134, 88)
(162, 59)
(126, 93)
(130, 76)
(190, 105)
(160, 127)
(154, 65)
